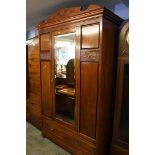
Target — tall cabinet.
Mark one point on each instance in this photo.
(78, 50)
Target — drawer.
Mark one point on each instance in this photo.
(69, 140)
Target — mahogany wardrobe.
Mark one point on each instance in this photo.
(78, 51)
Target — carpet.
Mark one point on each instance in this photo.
(38, 145)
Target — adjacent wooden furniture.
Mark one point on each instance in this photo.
(120, 139)
(77, 113)
(27, 88)
(34, 90)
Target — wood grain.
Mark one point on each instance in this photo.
(45, 42)
(46, 88)
(90, 36)
(120, 146)
(89, 84)
(34, 82)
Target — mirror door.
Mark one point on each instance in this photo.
(64, 77)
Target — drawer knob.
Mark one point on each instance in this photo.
(77, 143)
(52, 129)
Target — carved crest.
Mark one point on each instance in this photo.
(75, 13)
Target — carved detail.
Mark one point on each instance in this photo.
(123, 40)
(69, 14)
(89, 56)
(124, 53)
(45, 55)
(74, 14)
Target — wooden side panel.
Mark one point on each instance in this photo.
(35, 116)
(89, 81)
(117, 150)
(33, 52)
(33, 49)
(107, 86)
(27, 77)
(46, 92)
(90, 36)
(34, 83)
(27, 110)
(45, 41)
(27, 88)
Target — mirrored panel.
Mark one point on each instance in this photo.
(65, 77)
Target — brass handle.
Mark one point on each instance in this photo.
(77, 143)
(52, 129)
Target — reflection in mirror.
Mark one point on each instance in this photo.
(65, 77)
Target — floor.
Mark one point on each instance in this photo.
(37, 145)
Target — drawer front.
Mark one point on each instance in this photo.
(71, 142)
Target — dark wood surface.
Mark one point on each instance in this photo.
(34, 92)
(120, 138)
(45, 42)
(46, 88)
(27, 88)
(88, 108)
(95, 61)
(107, 70)
(67, 138)
(118, 150)
(90, 36)
(27, 78)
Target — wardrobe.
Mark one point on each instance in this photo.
(78, 51)
(120, 138)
